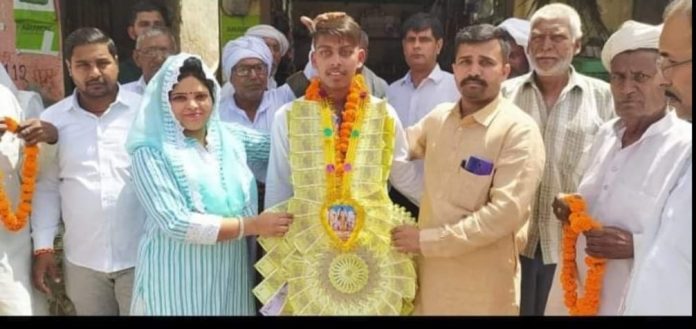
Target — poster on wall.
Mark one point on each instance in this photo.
(39, 71)
(37, 27)
(236, 16)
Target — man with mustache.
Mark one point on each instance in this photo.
(483, 163)
(662, 284)
(637, 160)
(569, 108)
(86, 182)
(424, 86)
(247, 63)
(143, 15)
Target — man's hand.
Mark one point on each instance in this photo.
(406, 239)
(560, 208)
(35, 131)
(610, 243)
(44, 264)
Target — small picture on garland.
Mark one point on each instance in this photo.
(342, 220)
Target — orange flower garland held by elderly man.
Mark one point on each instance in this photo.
(16, 221)
(580, 222)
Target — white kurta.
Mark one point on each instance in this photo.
(16, 293)
(627, 188)
(662, 281)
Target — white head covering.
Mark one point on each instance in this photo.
(267, 31)
(631, 35)
(519, 29)
(245, 47)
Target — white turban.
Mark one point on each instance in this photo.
(245, 47)
(631, 35)
(267, 31)
(519, 29)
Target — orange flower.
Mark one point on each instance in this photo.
(355, 101)
(580, 222)
(16, 221)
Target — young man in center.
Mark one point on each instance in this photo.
(335, 149)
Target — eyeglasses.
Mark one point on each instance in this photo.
(152, 52)
(244, 71)
(664, 63)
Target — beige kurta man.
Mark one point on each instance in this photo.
(468, 219)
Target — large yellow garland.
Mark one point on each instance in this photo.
(580, 222)
(318, 272)
(16, 221)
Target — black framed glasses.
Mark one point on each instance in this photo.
(245, 70)
(664, 64)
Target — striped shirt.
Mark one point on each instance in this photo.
(180, 269)
(568, 130)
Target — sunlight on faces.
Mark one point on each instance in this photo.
(336, 61)
(479, 70)
(635, 84)
(675, 47)
(191, 104)
(143, 21)
(551, 47)
(421, 48)
(93, 70)
(152, 53)
(253, 85)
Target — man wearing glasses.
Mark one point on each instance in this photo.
(662, 284)
(151, 50)
(247, 64)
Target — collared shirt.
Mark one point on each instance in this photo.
(137, 86)
(627, 188)
(413, 102)
(568, 130)
(278, 182)
(88, 184)
(272, 101)
(467, 220)
(661, 283)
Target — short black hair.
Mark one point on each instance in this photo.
(193, 67)
(482, 33)
(421, 22)
(147, 6)
(87, 36)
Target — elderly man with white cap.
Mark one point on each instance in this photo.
(517, 35)
(246, 64)
(636, 160)
(276, 42)
(662, 282)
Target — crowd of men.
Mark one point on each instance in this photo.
(494, 143)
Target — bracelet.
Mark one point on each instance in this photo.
(241, 229)
(38, 252)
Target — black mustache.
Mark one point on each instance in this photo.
(473, 79)
(671, 95)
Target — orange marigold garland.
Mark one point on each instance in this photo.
(580, 222)
(16, 221)
(357, 96)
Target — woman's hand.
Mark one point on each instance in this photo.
(269, 224)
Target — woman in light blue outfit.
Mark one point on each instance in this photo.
(191, 175)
